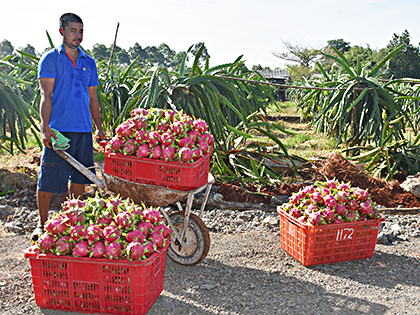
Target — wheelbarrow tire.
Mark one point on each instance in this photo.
(197, 243)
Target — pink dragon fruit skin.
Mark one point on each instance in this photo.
(169, 154)
(361, 194)
(185, 155)
(343, 197)
(302, 219)
(351, 216)
(331, 184)
(63, 246)
(316, 197)
(178, 128)
(156, 152)
(145, 227)
(135, 251)
(56, 226)
(152, 215)
(330, 201)
(46, 243)
(93, 233)
(104, 218)
(196, 153)
(203, 146)
(343, 187)
(296, 213)
(157, 239)
(194, 135)
(315, 219)
(186, 142)
(163, 229)
(97, 249)
(296, 198)
(153, 137)
(143, 151)
(130, 147)
(81, 249)
(328, 214)
(167, 139)
(352, 205)
(200, 125)
(75, 216)
(113, 250)
(111, 234)
(124, 130)
(366, 208)
(77, 233)
(141, 136)
(163, 126)
(140, 122)
(124, 219)
(308, 190)
(116, 144)
(207, 138)
(135, 235)
(149, 249)
(340, 209)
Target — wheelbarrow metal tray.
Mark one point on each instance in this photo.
(98, 286)
(174, 175)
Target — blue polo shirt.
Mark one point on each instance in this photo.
(70, 98)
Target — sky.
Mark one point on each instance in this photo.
(229, 28)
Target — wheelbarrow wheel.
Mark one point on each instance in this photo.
(197, 240)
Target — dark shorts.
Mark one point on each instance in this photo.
(55, 172)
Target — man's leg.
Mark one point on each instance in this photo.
(43, 200)
(76, 190)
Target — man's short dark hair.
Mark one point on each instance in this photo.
(69, 17)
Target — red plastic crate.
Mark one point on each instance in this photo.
(101, 286)
(174, 175)
(328, 243)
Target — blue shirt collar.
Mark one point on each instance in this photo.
(61, 48)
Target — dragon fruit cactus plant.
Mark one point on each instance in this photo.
(331, 202)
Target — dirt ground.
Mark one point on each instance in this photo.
(386, 193)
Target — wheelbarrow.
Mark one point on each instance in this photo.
(190, 241)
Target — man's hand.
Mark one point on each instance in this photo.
(100, 135)
(47, 133)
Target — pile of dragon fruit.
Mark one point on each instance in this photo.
(162, 134)
(110, 228)
(331, 202)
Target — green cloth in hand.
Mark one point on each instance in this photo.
(62, 143)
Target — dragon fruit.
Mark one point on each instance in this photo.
(194, 135)
(163, 126)
(308, 190)
(141, 137)
(203, 146)
(75, 216)
(296, 198)
(167, 139)
(80, 249)
(163, 229)
(153, 137)
(125, 130)
(340, 209)
(186, 142)
(124, 219)
(97, 249)
(178, 128)
(113, 250)
(145, 227)
(116, 143)
(130, 147)
(185, 155)
(149, 249)
(361, 194)
(343, 197)
(156, 152)
(296, 212)
(351, 216)
(157, 239)
(200, 125)
(56, 226)
(152, 215)
(135, 251)
(316, 197)
(93, 233)
(46, 243)
(196, 153)
(140, 122)
(366, 208)
(331, 184)
(168, 154)
(330, 201)
(104, 218)
(315, 219)
(77, 233)
(111, 234)
(63, 246)
(143, 151)
(135, 235)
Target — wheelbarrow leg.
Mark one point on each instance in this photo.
(206, 197)
(188, 207)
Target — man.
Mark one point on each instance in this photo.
(68, 79)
